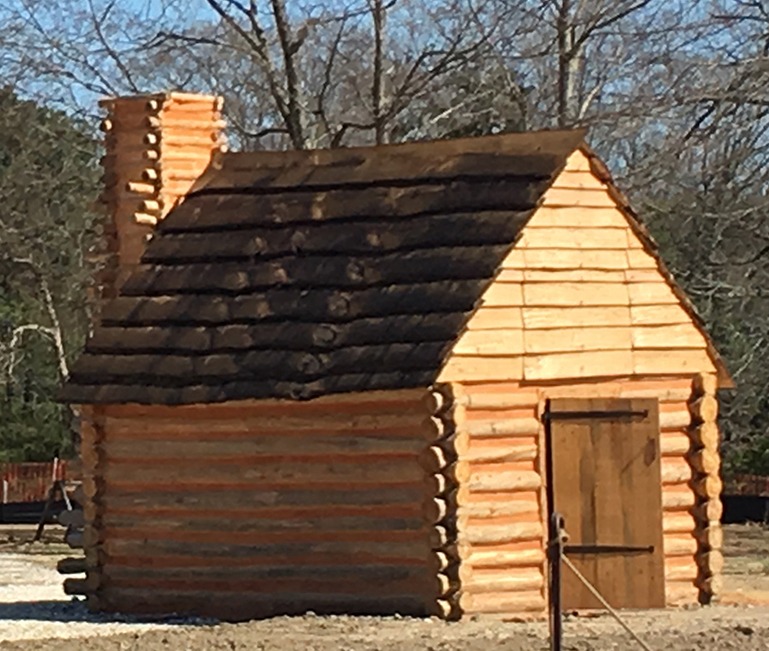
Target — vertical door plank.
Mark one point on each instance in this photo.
(606, 483)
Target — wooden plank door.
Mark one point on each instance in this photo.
(605, 473)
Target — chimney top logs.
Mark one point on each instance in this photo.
(156, 147)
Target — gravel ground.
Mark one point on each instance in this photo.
(36, 615)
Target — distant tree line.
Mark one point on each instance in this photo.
(675, 94)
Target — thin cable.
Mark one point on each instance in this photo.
(605, 603)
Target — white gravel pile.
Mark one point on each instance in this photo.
(33, 605)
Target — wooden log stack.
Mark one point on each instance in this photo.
(706, 484)
(439, 462)
(85, 535)
(500, 501)
(157, 146)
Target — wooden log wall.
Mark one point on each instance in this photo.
(501, 505)
(157, 146)
(251, 509)
(502, 510)
(706, 483)
(578, 297)
(442, 487)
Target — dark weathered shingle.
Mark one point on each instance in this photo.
(297, 274)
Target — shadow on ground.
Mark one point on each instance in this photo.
(77, 611)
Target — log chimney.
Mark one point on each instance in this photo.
(156, 147)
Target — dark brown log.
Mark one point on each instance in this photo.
(535, 155)
(86, 586)
(295, 336)
(71, 565)
(179, 370)
(317, 271)
(322, 305)
(704, 409)
(74, 518)
(358, 238)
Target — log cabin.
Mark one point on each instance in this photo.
(361, 381)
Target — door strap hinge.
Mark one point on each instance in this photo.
(608, 549)
(594, 415)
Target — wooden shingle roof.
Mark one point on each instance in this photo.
(298, 274)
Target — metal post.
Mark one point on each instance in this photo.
(555, 550)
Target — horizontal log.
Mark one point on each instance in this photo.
(677, 522)
(435, 509)
(433, 459)
(250, 470)
(241, 606)
(669, 394)
(439, 537)
(442, 608)
(711, 562)
(71, 565)
(74, 538)
(712, 585)
(360, 446)
(443, 585)
(501, 603)
(77, 587)
(438, 561)
(222, 551)
(141, 188)
(438, 484)
(708, 487)
(704, 409)
(674, 444)
(358, 585)
(477, 581)
(679, 545)
(324, 576)
(436, 402)
(493, 482)
(680, 593)
(705, 384)
(711, 536)
(706, 435)
(345, 497)
(320, 524)
(675, 420)
(681, 568)
(675, 470)
(498, 453)
(372, 410)
(497, 508)
(709, 511)
(500, 400)
(676, 500)
(705, 461)
(145, 219)
(492, 557)
(150, 206)
(144, 530)
(493, 534)
(75, 518)
(499, 428)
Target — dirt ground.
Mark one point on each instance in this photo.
(35, 615)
